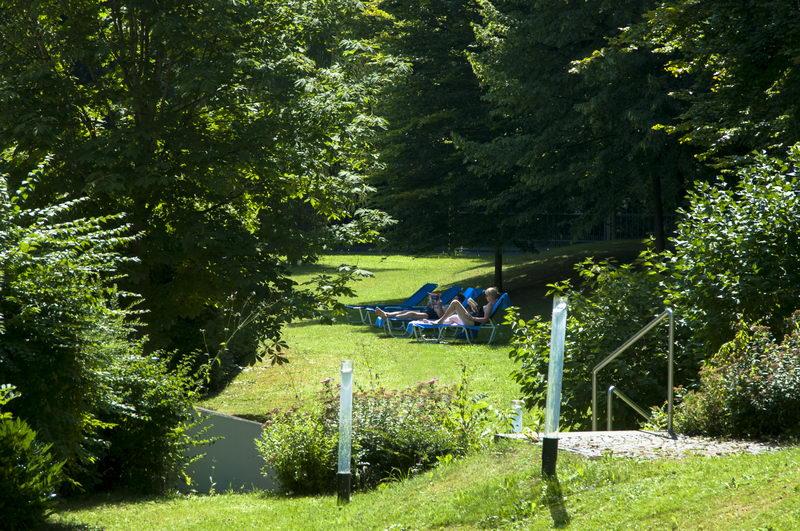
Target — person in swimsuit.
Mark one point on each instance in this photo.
(432, 311)
(456, 313)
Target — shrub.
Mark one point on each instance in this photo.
(737, 250)
(151, 411)
(302, 451)
(395, 433)
(67, 342)
(612, 303)
(735, 256)
(750, 387)
(62, 318)
(28, 473)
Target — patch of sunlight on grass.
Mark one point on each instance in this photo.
(500, 487)
(316, 350)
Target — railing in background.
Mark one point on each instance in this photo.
(556, 230)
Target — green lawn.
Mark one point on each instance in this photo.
(500, 487)
(317, 350)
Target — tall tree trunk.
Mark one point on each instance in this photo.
(498, 267)
(658, 212)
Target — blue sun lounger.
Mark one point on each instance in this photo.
(413, 301)
(397, 327)
(469, 332)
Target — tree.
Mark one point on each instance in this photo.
(234, 134)
(739, 60)
(424, 179)
(575, 113)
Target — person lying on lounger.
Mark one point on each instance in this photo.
(457, 314)
(432, 311)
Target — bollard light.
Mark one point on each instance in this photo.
(344, 475)
(554, 377)
(516, 421)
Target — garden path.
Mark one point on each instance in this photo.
(647, 444)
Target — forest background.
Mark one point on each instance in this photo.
(170, 160)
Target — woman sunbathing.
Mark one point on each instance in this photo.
(457, 314)
(432, 311)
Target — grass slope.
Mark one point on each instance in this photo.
(317, 350)
(500, 487)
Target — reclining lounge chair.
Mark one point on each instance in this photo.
(469, 332)
(397, 327)
(413, 301)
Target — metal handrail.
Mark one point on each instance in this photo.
(636, 337)
(625, 398)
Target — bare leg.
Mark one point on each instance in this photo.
(403, 314)
(456, 308)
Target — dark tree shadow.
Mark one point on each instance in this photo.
(66, 526)
(554, 499)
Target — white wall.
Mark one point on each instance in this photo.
(232, 462)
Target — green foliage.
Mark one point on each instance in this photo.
(301, 451)
(737, 250)
(423, 178)
(573, 114)
(735, 257)
(612, 303)
(395, 433)
(29, 474)
(751, 387)
(150, 410)
(236, 135)
(68, 344)
(739, 64)
(62, 316)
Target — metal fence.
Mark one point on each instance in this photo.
(572, 228)
(556, 230)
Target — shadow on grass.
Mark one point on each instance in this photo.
(66, 526)
(91, 502)
(318, 269)
(554, 499)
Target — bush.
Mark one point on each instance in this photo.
(302, 451)
(735, 257)
(612, 304)
(751, 387)
(395, 433)
(62, 319)
(152, 410)
(28, 473)
(737, 250)
(67, 341)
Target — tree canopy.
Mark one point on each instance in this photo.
(235, 135)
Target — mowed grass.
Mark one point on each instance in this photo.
(316, 350)
(501, 488)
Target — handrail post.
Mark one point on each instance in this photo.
(670, 369)
(622, 348)
(609, 410)
(594, 400)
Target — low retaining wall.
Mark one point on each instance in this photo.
(231, 462)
